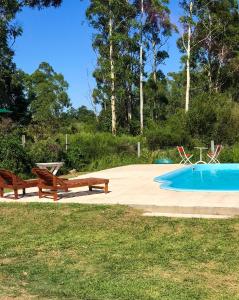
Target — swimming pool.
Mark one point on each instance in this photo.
(208, 178)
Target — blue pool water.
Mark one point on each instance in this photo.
(212, 177)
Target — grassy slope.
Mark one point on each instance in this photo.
(58, 251)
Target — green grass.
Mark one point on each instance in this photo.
(56, 251)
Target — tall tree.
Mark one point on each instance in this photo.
(217, 41)
(111, 21)
(48, 93)
(141, 92)
(188, 26)
(112, 70)
(154, 24)
(12, 93)
(210, 41)
(158, 29)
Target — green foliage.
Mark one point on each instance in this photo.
(85, 115)
(172, 132)
(105, 120)
(12, 87)
(214, 117)
(87, 151)
(13, 156)
(122, 68)
(230, 154)
(47, 91)
(45, 151)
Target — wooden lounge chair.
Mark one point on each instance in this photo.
(9, 180)
(50, 184)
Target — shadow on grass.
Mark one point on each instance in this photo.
(62, 195)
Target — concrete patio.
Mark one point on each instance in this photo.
(134, 186)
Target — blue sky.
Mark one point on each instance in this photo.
(63, 38)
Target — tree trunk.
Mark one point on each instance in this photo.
(188, 61)
(129, 108)
(154, 61)
(209, 54)
(141, 72)
(112, 76)
(154, 74)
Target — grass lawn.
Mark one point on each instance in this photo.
(57, 251)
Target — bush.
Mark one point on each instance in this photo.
(45, 151)
(169, 133)
(214, 117)
(230, 154)
(87, 149)
(13, 156)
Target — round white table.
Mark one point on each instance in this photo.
(201, 150)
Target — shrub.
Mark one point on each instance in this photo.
(214, 117)
(46, 151)
(169, 133)
(13, 156)
(230, 154)
(86, 148)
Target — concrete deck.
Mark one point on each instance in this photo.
(133, 185)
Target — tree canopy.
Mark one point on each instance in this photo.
(131, 42)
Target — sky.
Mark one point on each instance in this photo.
(63, 38)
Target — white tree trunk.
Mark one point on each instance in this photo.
(154, 61)
(188, 61)
(141, 72)
(129, 105)
(112, 76)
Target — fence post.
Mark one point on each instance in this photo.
(66, 142)
(23, 140)
(138, 149)
(212, 146)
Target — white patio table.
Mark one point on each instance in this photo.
(200, 149)
(53, 167)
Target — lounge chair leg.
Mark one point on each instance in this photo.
(106, 188)
(55, 196)
(90, 188)
(16, 193)
(40, 193)
(24, 192)
(1, 192)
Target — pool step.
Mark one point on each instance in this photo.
(173, 215)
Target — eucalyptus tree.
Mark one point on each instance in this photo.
(188, 24)
(154, 26)
(217, 42)
(112, 21)
(210, 41)
(157, 31)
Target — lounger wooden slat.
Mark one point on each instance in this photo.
(9, 180)
(50, 184)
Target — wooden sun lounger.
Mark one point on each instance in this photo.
(50, 184)
(9, 180)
